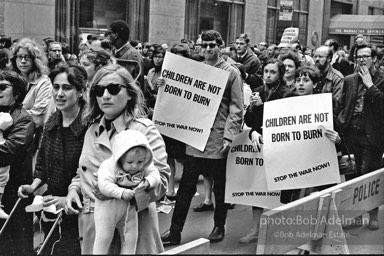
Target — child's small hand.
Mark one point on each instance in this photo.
(143, 185)
(128, 194)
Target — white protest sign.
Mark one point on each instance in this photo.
(187, 105)
(246, 182)
(290, 36)
(286, 10)
(297, 153)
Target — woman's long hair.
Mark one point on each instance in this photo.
(135, 106)
(39, 59)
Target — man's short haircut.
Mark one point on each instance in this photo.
(373, 51)
(243, 36)
(134, 43)
(210, 35)
(333, 43)
(55, 42)
(181, 48)
(121, 28)
(7, 41)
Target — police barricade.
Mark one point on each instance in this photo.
(314, 223)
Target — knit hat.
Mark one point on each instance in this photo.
(359, 36)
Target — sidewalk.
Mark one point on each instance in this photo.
(239, 221)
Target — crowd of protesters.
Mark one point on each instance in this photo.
(67, 113)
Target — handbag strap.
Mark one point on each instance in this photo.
(346, 148)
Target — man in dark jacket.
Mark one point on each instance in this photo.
(362, 117)
(338, 62)
(125, 54)
(249, 63)
(214, 157)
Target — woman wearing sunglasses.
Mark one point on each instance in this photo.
(30, 61)
(115, 104)
(17, 238)
(59, 154)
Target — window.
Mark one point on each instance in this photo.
(375, 11)
(97, 15)
(224, 16)
(275, 27)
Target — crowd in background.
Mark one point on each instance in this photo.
(67, 109)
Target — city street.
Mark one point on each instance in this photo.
(199, 225)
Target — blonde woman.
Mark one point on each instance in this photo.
(30, 61)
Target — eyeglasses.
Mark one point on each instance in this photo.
(363, 57)
(26, 57)
(158, 57)
(211, 45)
(3, 87)
(112, 88)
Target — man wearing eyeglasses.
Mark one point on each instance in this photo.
(225, 127)
(361, 118)
(331, 80)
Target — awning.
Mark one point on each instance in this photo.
(342, 24)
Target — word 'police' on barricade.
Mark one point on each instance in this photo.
(294, 130)
(246, 183)
(187, 105)
(315, 223)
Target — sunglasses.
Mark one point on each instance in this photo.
(211, 45)
(3, 87)
(112, 88)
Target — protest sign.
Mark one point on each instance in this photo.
(290, 36)
(187, 105)
(286, 10)
(297, 153)
(246, 183)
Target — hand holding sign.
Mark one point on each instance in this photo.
(257, 140)
(160, 82)
(331, 135)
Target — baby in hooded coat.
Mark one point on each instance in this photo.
(129, 171)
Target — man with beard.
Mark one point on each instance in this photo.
(361, 119)
(331, 80)
(225, 127)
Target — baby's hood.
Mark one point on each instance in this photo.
(128, 139)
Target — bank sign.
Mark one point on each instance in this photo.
(354, 31)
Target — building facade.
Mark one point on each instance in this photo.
(168, 21)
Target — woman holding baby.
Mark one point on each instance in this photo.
(115, 104)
